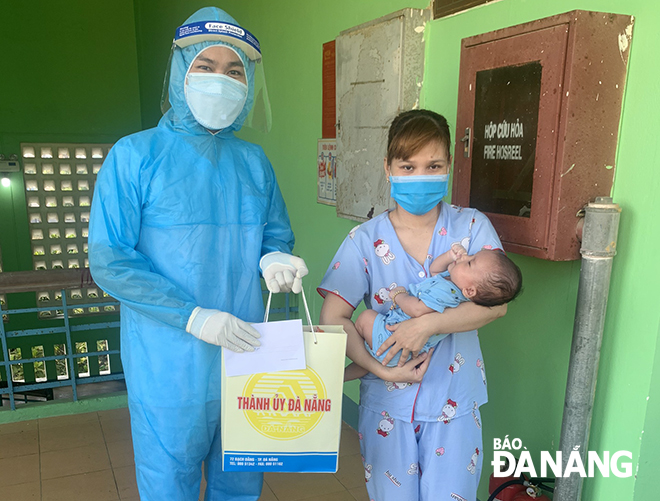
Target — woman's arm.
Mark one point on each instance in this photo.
(411, 335)
(336, 311)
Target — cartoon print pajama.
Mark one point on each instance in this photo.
(420, 442)
(426, 461)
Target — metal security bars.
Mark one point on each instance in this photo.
(34, 360)
(37, 360)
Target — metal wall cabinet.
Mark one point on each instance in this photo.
(380, 69)
(539, 107)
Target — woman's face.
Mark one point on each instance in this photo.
(432, 159)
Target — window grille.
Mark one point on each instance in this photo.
(104, 360)
(59, 183)
(60, 364)
(17, 373)
(83, 362)
(39, 366)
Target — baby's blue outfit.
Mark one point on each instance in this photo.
(436, 292)
(418, 441)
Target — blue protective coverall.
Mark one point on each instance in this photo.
(180, 218)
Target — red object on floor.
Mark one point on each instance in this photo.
(508, 493)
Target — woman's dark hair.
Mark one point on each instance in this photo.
(412, 130)
(503, 284)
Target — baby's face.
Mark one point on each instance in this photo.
(470, 271)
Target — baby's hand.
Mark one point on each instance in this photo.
(396, 290)
(457, 250)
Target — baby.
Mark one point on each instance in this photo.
(487, 278)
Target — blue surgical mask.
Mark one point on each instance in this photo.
(215, 100)
(419, 194)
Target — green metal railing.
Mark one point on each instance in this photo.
(71, 329)
(87, 329)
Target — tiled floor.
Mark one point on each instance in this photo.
(90, 457)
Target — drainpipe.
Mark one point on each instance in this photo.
(601, 225)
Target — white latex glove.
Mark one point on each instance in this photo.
(283, 272)
(222, 329)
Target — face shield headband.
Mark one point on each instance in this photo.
(209, 31)
(259, 117)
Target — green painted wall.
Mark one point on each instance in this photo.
(645, 487)
(527, 351)
(69, 74)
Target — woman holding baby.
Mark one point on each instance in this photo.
(420, 440)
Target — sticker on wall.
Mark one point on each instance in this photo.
(327, 171)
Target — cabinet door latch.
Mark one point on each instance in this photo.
(466, 143)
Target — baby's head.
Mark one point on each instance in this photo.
(487, 278)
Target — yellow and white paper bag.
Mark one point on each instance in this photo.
(287, 421)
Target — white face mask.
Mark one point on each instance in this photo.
(215, 100)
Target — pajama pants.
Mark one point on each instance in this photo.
(421, 461)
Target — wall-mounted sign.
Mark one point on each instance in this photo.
(506, 114)
(329, 107)
(327, 171)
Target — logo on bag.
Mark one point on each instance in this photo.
(284, 405)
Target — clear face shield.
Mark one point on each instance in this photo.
(259, 117)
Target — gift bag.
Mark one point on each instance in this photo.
(287, 421)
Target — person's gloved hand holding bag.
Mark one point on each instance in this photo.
(222, 329)
(283, 272)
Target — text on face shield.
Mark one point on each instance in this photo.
(224, 27)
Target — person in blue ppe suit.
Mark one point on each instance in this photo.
(184, 216)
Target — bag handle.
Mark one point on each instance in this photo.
(309, 317)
